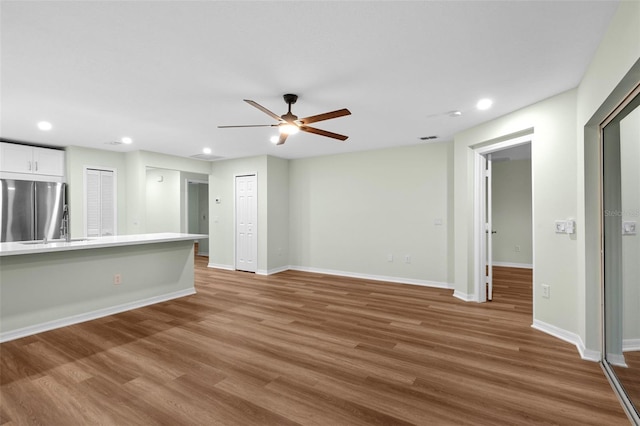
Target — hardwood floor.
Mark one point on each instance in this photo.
(630, 376)
(302, 348)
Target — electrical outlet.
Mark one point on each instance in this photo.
(517, 249)
(546, 291)
(117, 279)
(390, 257)
(407, 258)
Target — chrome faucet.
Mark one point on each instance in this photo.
(64, 228)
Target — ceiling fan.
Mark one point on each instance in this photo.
(289, 123)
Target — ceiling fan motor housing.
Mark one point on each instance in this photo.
(290, 98)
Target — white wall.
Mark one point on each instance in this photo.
(76, 159)
(511, 213)
(163, 201)
(554, 168)
(349, 212)
(221, 221)
(278, 214)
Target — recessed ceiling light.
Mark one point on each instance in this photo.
(44, 125)
(484, 104)
(206, 150)
(127, 140)
(274, 139)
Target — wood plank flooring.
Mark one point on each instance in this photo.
(302, 348)
(630, 376)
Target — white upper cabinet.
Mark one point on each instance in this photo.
(16, 158)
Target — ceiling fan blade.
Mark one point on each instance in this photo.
(283, 137)
(263, 109)
(325, 116)
(323, 133)
(248, 125)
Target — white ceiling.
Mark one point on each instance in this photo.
(167, 73)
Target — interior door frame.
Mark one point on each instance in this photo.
(479, 206)
(185, 201)
(235, 220)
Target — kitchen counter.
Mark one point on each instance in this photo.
(52, 285)
(33, 247)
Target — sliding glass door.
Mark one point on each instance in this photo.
(621, 249)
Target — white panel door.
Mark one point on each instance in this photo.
(246, 223)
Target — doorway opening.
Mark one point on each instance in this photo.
(503, 218)
(197, 213)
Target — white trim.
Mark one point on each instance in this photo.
(479, 231)
(466, 297)
(629, 345)
(221, 266)
(272, 271)
(569, 337)
(397, 280)
(617, 360)
(88, 316)
(513, 265)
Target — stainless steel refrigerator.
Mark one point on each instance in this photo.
(30, 210)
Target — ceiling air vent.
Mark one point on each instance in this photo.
(207, 157)
(428, 138)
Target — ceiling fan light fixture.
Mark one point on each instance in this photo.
(288, 129)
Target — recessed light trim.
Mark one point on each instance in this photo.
(44, 126)
(126, 140)
(206, 150)
(484, 104)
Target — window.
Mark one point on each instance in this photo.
(100, 202)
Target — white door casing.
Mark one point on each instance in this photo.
(246, 197)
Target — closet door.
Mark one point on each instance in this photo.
(100, 202)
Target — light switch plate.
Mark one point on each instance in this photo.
(629, 228)
(561, 226)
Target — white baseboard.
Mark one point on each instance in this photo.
(466, 297)
(272, 271)
(221, 266)
(88, 316)
(513, 265)
(397, 280)
(569, 337)
(629, 345)
(617, 360)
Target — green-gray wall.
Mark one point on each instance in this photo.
(511, 213)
